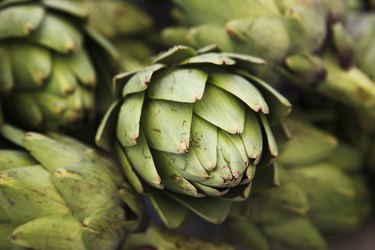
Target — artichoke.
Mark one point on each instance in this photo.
(130, 28)
(361, 28)
(158, 239)
(289, 34)
(57, 193)
(322, 192)
(50, 63)
(192, 129)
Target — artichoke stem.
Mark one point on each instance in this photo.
(351, 87)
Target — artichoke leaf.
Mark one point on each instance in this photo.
(42, 147)
(204, 142)
(242, 89)
(271, 142)
(211, 209)
(31, 65)
(105, 133)
(142, 161)
(210, 191)
(186, 164)
(20, 21)
(179, 85)
(140, 80)
(82, 67)
(167, 125)
(173, 180)
(232, 155)
(28, 193)
(244, 58)
(50, 35)
(85, 187)
(221, 109)
(12, 159)
(63, 81)
(209, 58)
(170, 212)
(130, 174)
(129, 117)
(221, 176)
(72, 7)
(237, 141)
(174, 55)
(50, 231)
(280, 107)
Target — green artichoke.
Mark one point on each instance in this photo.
(269, 29)
(322, 192)
(361, 28)
(158, 239)
(58, 193)
(357, 127)
(194, 126)
(289, 34)
(130, 29)
(50, 63)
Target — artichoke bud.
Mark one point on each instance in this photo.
(331, 190)
(247, 232)
(157, 238)
(70, 199)
(279, 204)
(47, 64)
(187, 124)
(308, 145)
(360, 27)
(305, 66)
(305, 22)
(255, 36)
(121, 18)
(341, 219)
(344, 45)
(296, 234)
(345, 158)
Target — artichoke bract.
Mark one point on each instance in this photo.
(58, 193)
(192, 130)
(322, 192)
(49, 61)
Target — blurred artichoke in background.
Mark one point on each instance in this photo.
(289, 34)
(195, 126)
(269, 29)
(322, 192)
(57, 193)
(361, 28)
(129, 27)
(159, 239)
(50, 63)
